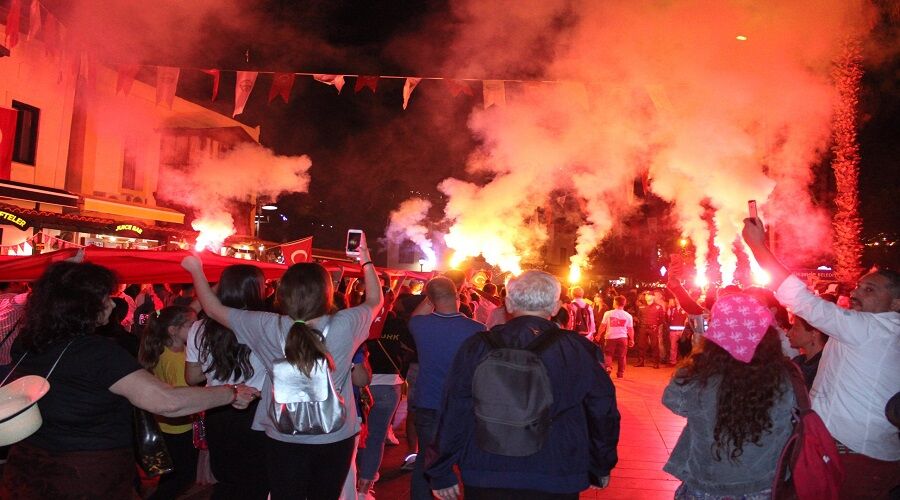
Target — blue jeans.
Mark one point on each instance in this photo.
(426, 428)
(387, 398)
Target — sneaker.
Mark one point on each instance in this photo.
(390, 438)
(409, 463)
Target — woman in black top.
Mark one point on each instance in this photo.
(84, 448)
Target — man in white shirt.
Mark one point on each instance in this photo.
(859, 370)
(618, 326)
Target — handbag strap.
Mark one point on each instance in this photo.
(48, 373)
(388, 356)
(11, 330)
(799, 386)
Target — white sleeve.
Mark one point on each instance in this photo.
(191, 351)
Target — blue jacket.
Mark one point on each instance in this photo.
(581, 445)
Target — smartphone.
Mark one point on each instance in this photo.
(751, 206)
(354, 237)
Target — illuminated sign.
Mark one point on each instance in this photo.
(13, 219)
(129, 227)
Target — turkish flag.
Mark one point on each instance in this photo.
(298, 251)
(7, 140)
(456, 87)
(362, 82)
(282, 83)
(126, 77)
(243, 86)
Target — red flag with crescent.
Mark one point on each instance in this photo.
(298, 251)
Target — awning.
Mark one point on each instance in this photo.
(37, 194)
(130, 210)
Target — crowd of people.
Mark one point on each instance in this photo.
(231, 369)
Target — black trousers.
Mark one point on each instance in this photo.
(311, 471)
(237, 454)
(475, 493)
(184, 458)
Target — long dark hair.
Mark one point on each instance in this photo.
(305, 293)
(156, 334)
(746, 393)
(65, 302)
(240, 288)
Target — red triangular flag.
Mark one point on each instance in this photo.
(216, 74)
(34, 20)
(362, 82)
(51, 35)
(494, 93)
(408, 88)
(456, 87)
(297, 251)
(282, 83)
(126, 78)
(12, 23)
(336, 80)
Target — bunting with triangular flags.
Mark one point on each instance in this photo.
(242, 89)
(335, 80)
(126, 78)
(166, 84)
(216, 74)
(494, 93)
(408, 88)
(282, 83)
(362, 82)
(34, 20)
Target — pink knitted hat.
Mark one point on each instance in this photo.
(738, 324)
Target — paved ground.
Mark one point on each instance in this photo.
(649, 432)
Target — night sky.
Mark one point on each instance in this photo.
(368, 154)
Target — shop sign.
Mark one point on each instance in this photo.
(121, 228)
(13, 219)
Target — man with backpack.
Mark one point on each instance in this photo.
(529, 409)
(582, 311)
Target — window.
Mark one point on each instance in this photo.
(25, 148)
(131, 178)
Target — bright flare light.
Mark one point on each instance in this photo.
(701, 280)
(741, 38)
(212, 233)
(574, 273)
(761, 277)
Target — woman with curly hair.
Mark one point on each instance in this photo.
(215, 357)
(736, 394)
(84, 449)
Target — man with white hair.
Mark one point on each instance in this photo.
(579, 449)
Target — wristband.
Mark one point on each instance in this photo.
(366, 263)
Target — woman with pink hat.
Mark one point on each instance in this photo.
(736, 394)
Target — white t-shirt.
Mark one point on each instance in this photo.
(617, 323)
(192, 355)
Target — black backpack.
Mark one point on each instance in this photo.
(512, 396)
(582, 323)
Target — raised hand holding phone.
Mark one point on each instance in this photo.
(355, 239)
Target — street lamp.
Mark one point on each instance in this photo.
(421, 265)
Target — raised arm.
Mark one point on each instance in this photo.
(755, 236)
(676, 274)
(374, 296)
(211, 305)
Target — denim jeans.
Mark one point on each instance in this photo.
(386, 397)
(426, 428)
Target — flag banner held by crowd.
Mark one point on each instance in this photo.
(298, 251)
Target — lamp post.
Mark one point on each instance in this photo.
(263, 205)
(421, 265)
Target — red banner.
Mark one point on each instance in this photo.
(282, 83)
(298, 251)
(7, 140)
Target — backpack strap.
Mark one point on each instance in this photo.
(799, 386)
(493, 341)
(543, 341)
